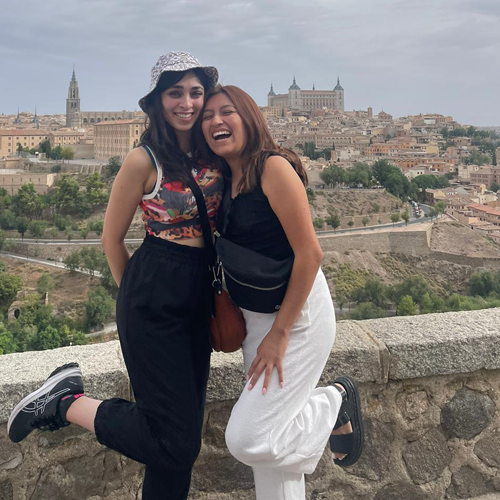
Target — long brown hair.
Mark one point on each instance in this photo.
(259, 143)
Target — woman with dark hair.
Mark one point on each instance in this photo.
(163, 302)
(282, 421)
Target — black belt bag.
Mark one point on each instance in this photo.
(254, 282)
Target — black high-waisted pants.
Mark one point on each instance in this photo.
(162, 318)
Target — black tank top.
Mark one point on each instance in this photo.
(253, 224)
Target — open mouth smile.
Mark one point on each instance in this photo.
(221, 135)
(184, 116)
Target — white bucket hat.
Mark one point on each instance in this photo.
(177, 61)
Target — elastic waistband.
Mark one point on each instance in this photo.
(169, 249)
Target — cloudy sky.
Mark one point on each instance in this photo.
(402, 56)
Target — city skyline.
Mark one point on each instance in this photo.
(433, 57)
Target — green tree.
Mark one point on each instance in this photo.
(367, 310)
(407, 307)
(365, 221)
(373, 291)
(22, 224)
(10, 285)
(350, 223)
(406, 216)
(98, 307)
(483, 283)
(494, 187)
(91, 260)
(7, 343)
(114, 164)
(310, 195)
(318, 223)
(48, 338)
(96, 190)
(55, 153)
(426, 304)
(440, 207)
(8, 219)
(360, 173)
(67, 197)
(84, 231)
(45, 284)
(2, 239)
(414, 286)
(27, 202)
(67, 153)
(53, 233)
(72, 262)
(37, 228)
(97, 226)
(45, 147)
(333, 221)
(375, 208)
(395, 217)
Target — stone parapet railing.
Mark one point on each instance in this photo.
(430, 391)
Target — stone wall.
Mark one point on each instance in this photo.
(430, 390)
(407, 242)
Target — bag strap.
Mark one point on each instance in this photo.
(215, 265)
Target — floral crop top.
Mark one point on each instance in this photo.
(170, 210)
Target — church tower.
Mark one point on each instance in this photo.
(339, 96)
(270, 96)
(294, 98)
(73, 113)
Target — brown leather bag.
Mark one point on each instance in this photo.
(227, 325)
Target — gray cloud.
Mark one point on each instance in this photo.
(404, 57)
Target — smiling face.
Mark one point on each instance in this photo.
(223, 127)
(182, 103)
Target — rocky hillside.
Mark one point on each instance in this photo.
(355, 204)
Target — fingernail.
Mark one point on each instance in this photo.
(281, 385)
(248, 376)
(250, 387)
(264, 391)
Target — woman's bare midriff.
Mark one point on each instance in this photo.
(192, 242)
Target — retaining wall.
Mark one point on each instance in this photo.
(430, 390)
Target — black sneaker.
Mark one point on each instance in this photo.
(40, 409)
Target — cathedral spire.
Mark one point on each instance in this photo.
(271, 92)
(18, 118)
(73, 114)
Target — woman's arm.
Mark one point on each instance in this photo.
(135, 177)
(288, 199)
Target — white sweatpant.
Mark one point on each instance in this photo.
(282, 434)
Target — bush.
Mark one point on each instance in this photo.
(367, 310)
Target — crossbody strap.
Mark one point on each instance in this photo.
(202, 211)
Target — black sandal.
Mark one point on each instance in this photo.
(350, 444)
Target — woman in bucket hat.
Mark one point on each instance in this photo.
(162, 305)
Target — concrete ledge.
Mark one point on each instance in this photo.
(370, 351)
(429, 390)
(440, 344)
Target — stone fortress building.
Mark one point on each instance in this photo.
(307, 100)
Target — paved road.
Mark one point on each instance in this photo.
(51, 263)
(31, 241)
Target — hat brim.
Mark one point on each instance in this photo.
(210, 71)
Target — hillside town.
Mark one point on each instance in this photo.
(313, 123)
